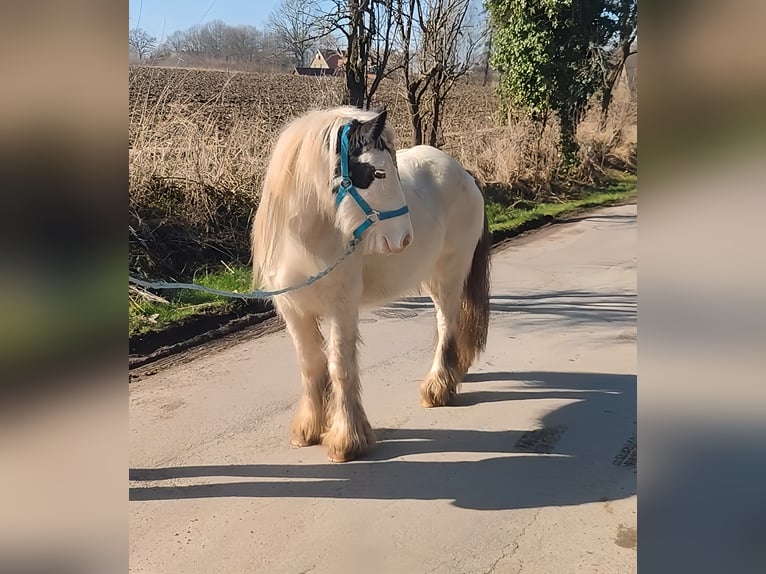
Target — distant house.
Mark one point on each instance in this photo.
(328, 59)
(331, 63)
(324, 63)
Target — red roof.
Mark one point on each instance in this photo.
(334, 58)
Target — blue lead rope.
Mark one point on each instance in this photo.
(257, 294)
(346, 188)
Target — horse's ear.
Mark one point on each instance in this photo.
(371, 129)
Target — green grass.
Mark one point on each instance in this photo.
(145, 315)
(502, 218)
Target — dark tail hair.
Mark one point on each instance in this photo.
(473, 318)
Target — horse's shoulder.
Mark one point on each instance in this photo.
(419, 154)
(426, 158)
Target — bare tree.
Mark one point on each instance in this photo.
(176, 42)
(217, 41)
(366, 27)
(451, 43)
(242, 42)
(437, 46)
(357, 53)
(612, 61)
(490, 34)
(212, 37)
(410, 21)
(297, 28)
(382, 41)
(141, 43)
(194, 43)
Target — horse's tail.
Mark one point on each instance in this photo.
(473, 318)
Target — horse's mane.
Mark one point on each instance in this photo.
(300, 176)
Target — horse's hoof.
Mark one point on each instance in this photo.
(436, 396)
(305, 436)
(300, 439)
(306, 429)
(299, 442)
(429, 403)
(342, 448)
(348, 452)
(438, 389)
(341, 456)
(338, 457)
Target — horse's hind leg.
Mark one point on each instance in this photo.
(309, 420)
(350, 434)
(441, 383)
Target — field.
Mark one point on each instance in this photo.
(273, 99)
(199, 143)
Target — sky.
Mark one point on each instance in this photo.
(163, 17)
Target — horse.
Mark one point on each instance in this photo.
(408, 221)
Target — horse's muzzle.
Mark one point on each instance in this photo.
(403, 243)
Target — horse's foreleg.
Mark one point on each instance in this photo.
(309, 420)
(441, 383)
(350, 434)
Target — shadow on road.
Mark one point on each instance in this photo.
(568, 307)
(577, 469)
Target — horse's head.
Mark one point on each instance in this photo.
(368, 193)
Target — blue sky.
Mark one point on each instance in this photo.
(172, 15)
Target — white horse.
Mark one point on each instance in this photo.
(420, 223)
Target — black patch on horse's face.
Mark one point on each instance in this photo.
(361, 173)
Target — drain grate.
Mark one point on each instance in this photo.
(540, 440)
(628, 453)
(395, 314)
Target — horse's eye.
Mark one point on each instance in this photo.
(380, 174)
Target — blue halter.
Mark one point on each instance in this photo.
(347, 188)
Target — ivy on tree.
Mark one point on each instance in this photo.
(545, 52)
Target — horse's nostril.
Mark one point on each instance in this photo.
(406, 240)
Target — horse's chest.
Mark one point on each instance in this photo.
(393, 276)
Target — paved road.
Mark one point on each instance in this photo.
(519, 476)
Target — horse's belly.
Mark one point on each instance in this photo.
(387, 278)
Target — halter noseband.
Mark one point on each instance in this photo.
(347, 188)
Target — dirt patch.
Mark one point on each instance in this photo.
(540, 440)
(188, 350)
(626, 537)
(193, 331)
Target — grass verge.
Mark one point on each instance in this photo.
(150, 313)
(504, 219)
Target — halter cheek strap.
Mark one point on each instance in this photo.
(347, 188)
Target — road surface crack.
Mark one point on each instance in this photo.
(515, 544)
